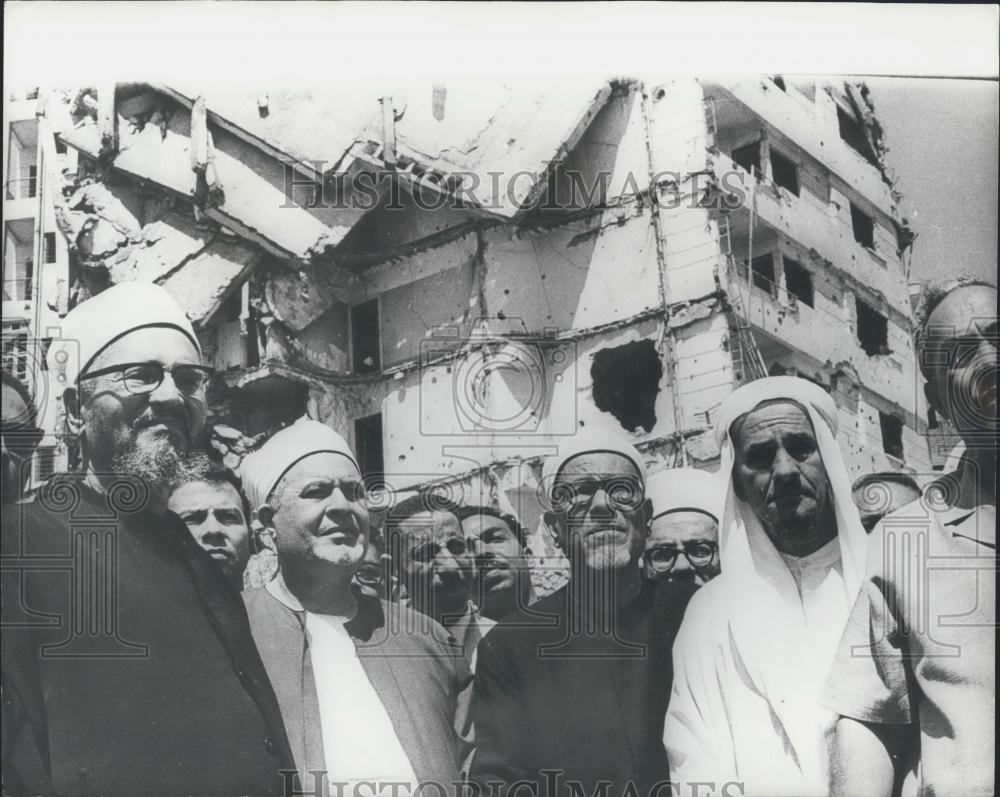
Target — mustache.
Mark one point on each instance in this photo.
(174, 419)
(795, 491)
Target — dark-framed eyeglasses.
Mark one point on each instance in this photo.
(369, 574)
(141, 378)
(624, 494)
(699, 553)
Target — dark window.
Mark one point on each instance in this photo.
(932, 419)
(50, 247)
(892, 434)
(626, 382)
(853, 132)
(365, 337)
(873, 329)
(863, 226)
(233, 306)
(784, 172)
(60, 147)
(368, 443)
(762, 273)
(748, 157)
(32, 181)
(29, 279)
(779, 81)
(799, 282)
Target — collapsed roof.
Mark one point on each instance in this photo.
(227, 152)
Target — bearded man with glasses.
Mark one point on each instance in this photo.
(128, 663)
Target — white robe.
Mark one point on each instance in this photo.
(756, 644)
(720, 725)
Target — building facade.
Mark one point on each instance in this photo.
(459, 277)
(35, 255)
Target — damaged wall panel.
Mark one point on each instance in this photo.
(411, 316)
(582, 275)
(691, 252)
(704, 370)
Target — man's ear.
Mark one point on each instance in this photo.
(647, 515)
(738, 484)
(265, 515)
(74, 415)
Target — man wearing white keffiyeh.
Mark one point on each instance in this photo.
(756, 643)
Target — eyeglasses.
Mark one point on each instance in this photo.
(625, 495)
(369, 574)
(699, 553)
(142, 378)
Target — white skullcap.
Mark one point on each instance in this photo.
(264, 468)
(677, 489)
(90, 327)
(593, 440)
(772, 388)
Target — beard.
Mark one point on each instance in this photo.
(158, 463)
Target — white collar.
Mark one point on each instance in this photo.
(824, 558)
(281, 593)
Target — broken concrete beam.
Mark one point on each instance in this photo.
(107, 123)
(208, 189)
(165, 245)
(199, 135)
(299, 298)
(70, 222)
(98, 239)
(95, 198)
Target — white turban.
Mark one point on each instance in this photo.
(264, 468)
(786, 657)
(591, 441)
(93, 325)
(678, 489)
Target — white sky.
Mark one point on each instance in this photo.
(942, 133)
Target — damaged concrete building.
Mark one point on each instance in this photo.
(458, 277)
(35, 255)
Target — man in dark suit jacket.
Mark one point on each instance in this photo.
(370, 692)
(571, 693)
(127, 660)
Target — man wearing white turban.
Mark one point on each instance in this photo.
(683, 542)
(155, 686)
(757, 642)
(371, 692)
(576, 686)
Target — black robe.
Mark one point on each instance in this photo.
(128, 664)
(583, 697)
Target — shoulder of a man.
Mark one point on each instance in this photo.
(34, 527)
(527, 625)
(258, 599)
(403, 630)
(706, 616)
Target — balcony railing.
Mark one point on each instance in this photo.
(22, 188)
(17, 290)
